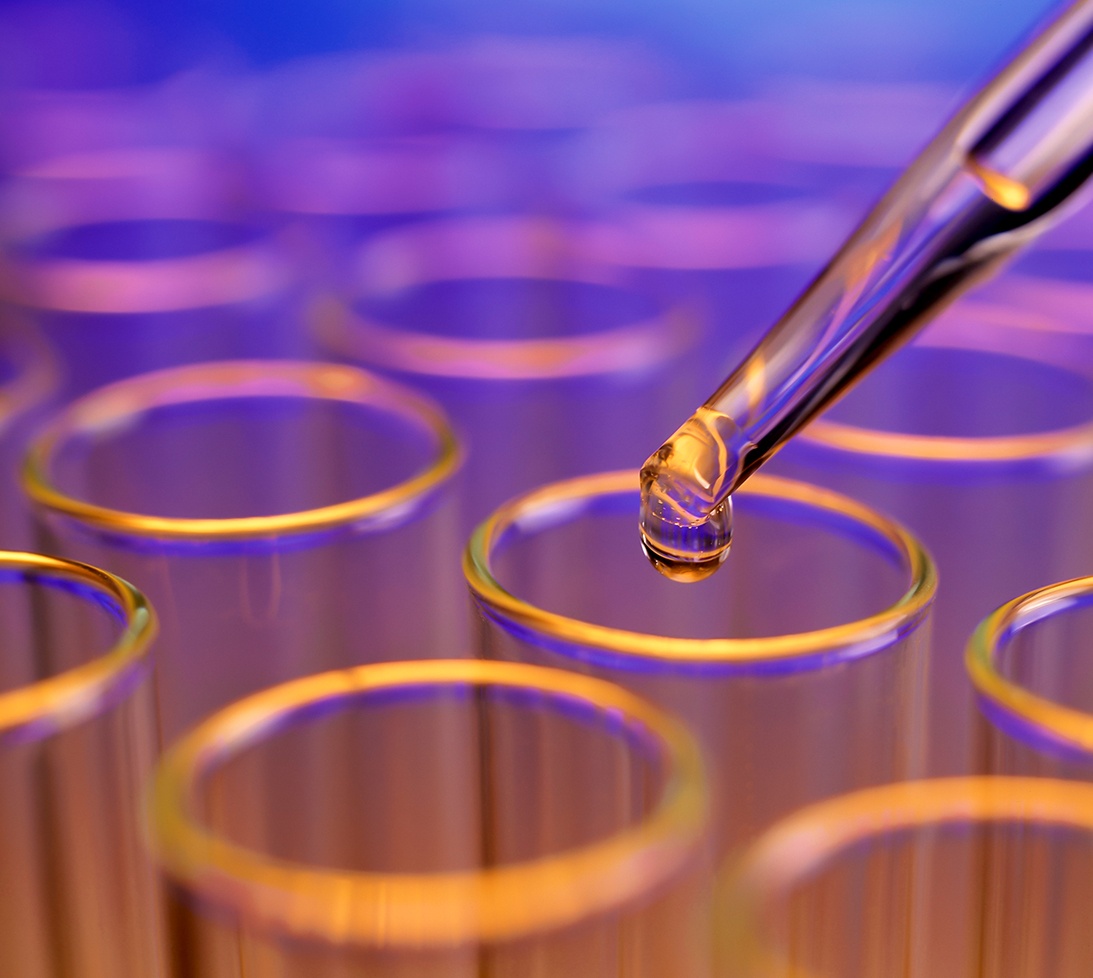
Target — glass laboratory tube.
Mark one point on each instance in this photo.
(988, 877)
(1047, 292)
(1029, 664)
(131, 260)
(285, 517)
(693, 206)
(986, 454)
(549, 362)
(77, 737)
(29, 380)
(445, 819)
(800, 665)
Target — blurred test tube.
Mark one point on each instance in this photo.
(800, 665)
(133, 259)
(962, 877)
(1029, 662)
(77, 737)
(429, 819)
(549, 362)
(986, 454)
(285, 517)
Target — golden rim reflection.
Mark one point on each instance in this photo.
(875, 631)
(58, 702)
(985, 327)
(123, 403)
(1064, 725)
(423, 909)
(804, 843)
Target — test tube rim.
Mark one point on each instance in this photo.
(1064, 727)
(236, 380)
(1070, 443)
(496, 904)
(633, 347)
(812, 837)
(48, 706)
(804, 649)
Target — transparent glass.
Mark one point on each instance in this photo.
(135, 259)
(1029, 664)
(521, 821)
(282, 515)
(800, 666)
(29, 380)
(988, 877)
(691, 202)
(523, 335)
(77, 737)
(986, 454)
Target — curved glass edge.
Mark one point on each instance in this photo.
(422, 910)
(57, 703)
(233, 380)
(1019, 711)
(803, 843)
(988, 328)
(495, 248)
(627, 649)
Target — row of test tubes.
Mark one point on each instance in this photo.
(329, 648)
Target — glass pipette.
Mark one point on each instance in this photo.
(982, 188)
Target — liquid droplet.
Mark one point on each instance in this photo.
(689, 553)
(686, 519)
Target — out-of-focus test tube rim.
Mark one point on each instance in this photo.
(560, 253)
(59, 702)
(987, 333)
(811, 648)
(803, 843)
(129, 186)
(237, 380)
(441, 909)
(1064, 726)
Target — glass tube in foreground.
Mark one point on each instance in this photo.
(452, 818)
(986, 453)
(283, 517)
(987, 877)
(800, 665)
(1031, 667)
(77, 736)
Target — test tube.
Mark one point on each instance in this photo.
(134, 259)
(986, 454)
(523, 336)
(1029, 665)
(689, 201)
(29, 379)
(285, 517)
(799, 666)
(400, 819)
(77, 737)
(988, 877)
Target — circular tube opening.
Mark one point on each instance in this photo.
(1020, 664)
(782, 518)
(959, 876)
(540, 272)
(34, 707)
(228, 429)
(950, 399)
(355, 906)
